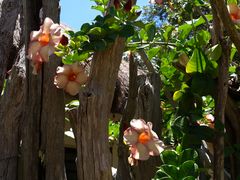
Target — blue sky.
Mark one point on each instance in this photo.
(76, 12)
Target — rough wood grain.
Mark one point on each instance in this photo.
(222, 86)
(11, 103)
(11, 114)
(53, 112)
(93, 156)
(124, 170)
(31, 124)
(9, 11)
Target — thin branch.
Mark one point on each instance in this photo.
(220, 6)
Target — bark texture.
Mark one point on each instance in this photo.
(222, 87)
(9, 12)
(123, 170)
(11, 103)
(52, 115)
(33, 103)
(11, 114)
(93, 155)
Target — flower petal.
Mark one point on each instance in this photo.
(34, 35)
(60, 80)
(33, 49)
(72, 88)
(46, 51)
(65, 69)
(131, 136)
(232, 8)
(46, 25)
(77, 68)
(36, 66)
(139, 125)
(155, 147)
(81, 78)
(140, 152)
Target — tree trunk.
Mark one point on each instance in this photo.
(93, 155)
(123, 170)
(11, 113)
(222, 89)
(9, 13)
(149, 110)
(52, 115)
(11, 103)
(32, 119)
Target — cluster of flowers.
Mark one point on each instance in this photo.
(43, 43)
(142, 140)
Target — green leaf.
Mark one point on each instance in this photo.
(231, 69)
(143, 35)
(80, 57)
(85, 27)
(98, 31)
(203, 37)
(188, 154)
(99, 8)
(99, 45)
(189, 178)
(151, 30)
(170, 170)
(180, 126)
(178, 95)
(184, 30)
(188, 168)
(167, 32)
(197, 62)
(233, 52)
(214, 53)
(126, 31)
(72, 104)
(169, 157)
(161, 174)
(139, 24)
(153, 52)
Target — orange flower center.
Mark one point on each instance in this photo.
(44, 39)
(72, 77)
(144, 138)
(234, 16)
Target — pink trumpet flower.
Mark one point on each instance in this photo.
(234, 12)
(143, 141)
(71, 78)
(43, 43)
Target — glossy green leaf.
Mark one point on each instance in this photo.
(188, 154)
(127, 31)
(214, 53)
(170, 170)
(188, 168)
(150, 30)
(197, 62)
(98, 31)
(184, 30)
(203, 37)
(153, 52)
(169, 157)
(178, 95)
